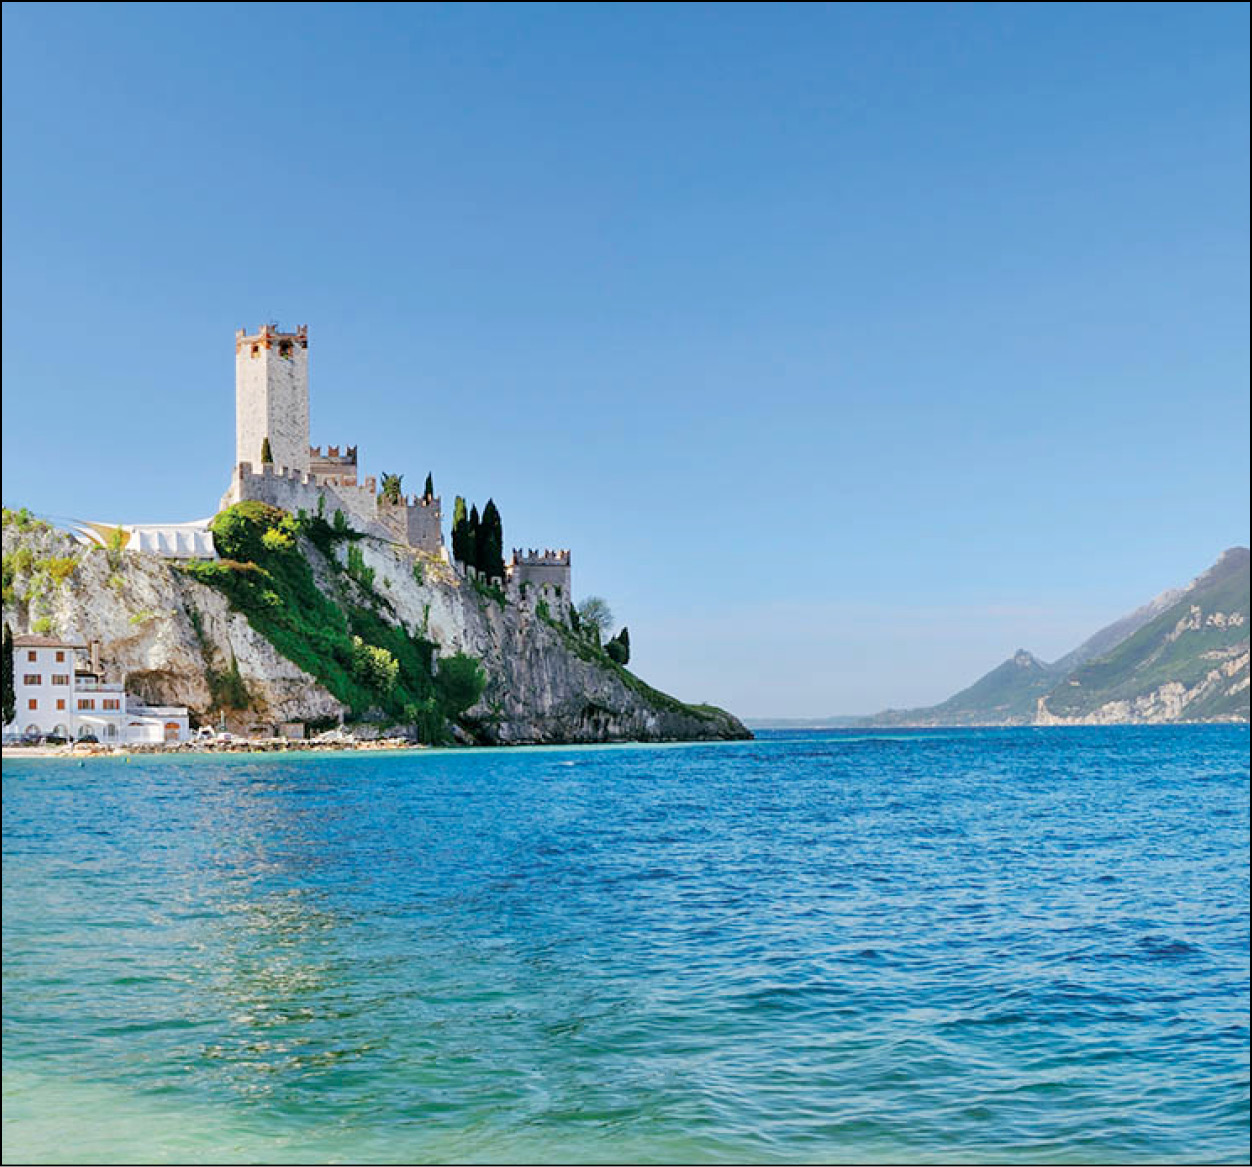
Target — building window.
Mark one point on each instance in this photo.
(112, 703)
(32, 704)
(32, 679)
(86, 703)
(60, 658)
(60, 702)
(60, 678)
(30, 655)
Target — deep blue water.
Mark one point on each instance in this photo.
(1000, 945)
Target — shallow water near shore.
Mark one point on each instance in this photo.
(985, 946)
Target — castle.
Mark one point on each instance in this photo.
(272, 418)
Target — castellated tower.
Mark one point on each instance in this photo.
(272, 397)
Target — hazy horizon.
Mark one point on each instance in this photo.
(849, 348)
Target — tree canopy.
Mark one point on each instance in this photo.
(392, 491)
(595, 613)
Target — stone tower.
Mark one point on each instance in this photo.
(272, 396)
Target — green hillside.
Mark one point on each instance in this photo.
(1008, 695)
(1205, 632)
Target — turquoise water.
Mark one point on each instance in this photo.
(1002, 945)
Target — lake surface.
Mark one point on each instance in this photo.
(999, 945)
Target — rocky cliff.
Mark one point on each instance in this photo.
(220, 638)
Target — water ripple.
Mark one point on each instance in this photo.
(991, 946)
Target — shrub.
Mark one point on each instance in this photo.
(239, 531)
(358, 570)
(618, 649)
(59, 568)
(375, 667)
(460, 683)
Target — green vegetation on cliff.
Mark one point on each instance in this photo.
(1204, 631)
(364, 660)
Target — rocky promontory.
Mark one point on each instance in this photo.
(297, 621)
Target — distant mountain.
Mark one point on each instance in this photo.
(1189, 663)
(1109, 637)
(1181, 657)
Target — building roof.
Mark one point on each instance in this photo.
(31, 640)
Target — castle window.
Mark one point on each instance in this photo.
(284, 349)
(256, 350)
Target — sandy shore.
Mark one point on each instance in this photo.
(262, 746)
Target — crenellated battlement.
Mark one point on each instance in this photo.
(269, 335)
(415, 520)
(412, 500)
(546, 558)
(287, 474)
(547, 572)
(332, 454)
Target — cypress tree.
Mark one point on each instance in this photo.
(490, 545)
(623, 638)
(460, 525)
(6, 678)
(267, 455)
(471, 537)
(430, 488)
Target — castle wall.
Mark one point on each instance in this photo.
(272, 397)
(333, 465)
(416, 521)
(542, 570)
(294, 490)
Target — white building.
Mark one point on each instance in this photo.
(170, 540)
(59, 692)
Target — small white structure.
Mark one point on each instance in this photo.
(171, 540)
(58, 693)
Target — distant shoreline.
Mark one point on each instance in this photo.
(817, 725)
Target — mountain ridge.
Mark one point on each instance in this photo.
(1182, 656)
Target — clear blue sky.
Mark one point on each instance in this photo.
(849, 348)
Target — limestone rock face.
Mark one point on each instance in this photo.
(540, 687)
(160, 632)
(167, 636)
